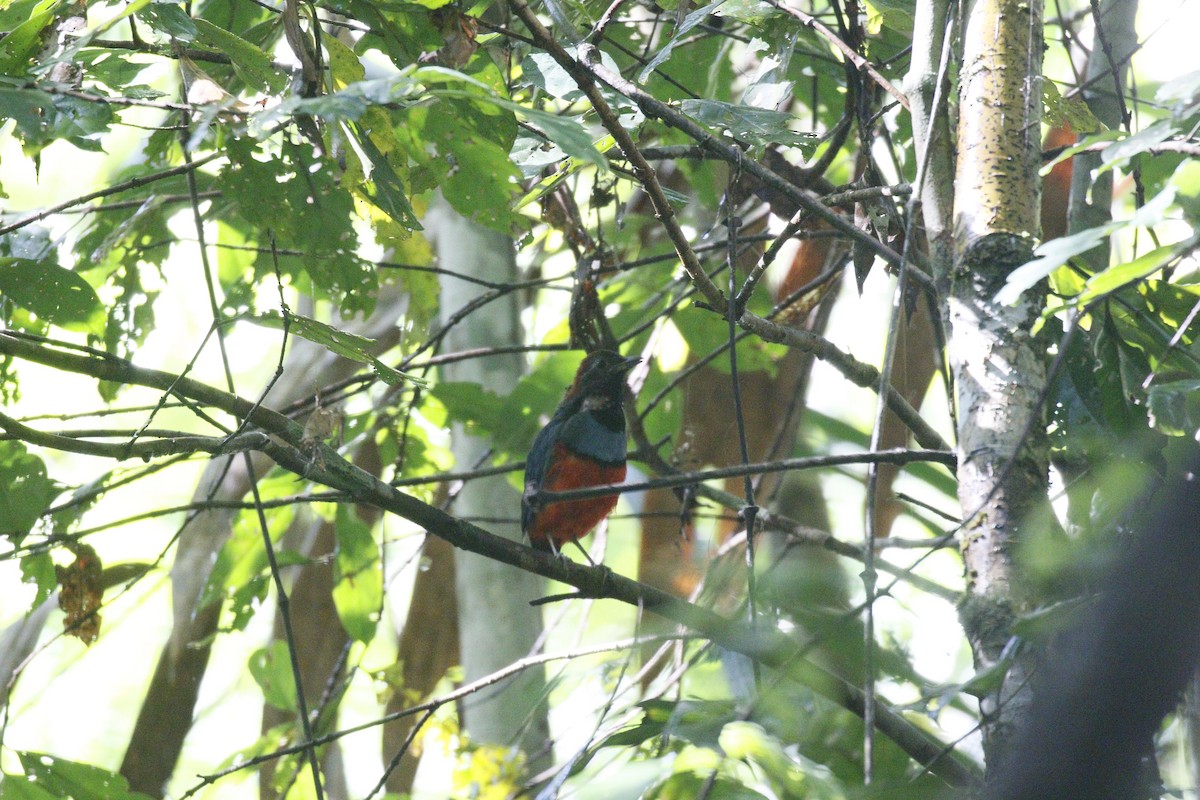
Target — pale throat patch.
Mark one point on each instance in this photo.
(595, 402)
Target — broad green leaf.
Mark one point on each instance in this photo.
(1181, 93)
(348, 345)
(170, 19)
(271, 668)
(752, 12)
(750, 742)
(566, 132)
(25, 489)
(348, 104)
(1070, 111)
(300, 201)
(1143, 266)
(240, 571)
(1140, 142)
(483, 185)
(345, 68)
(252, 64)
(461, 145)
(701, 721)
(58, 296)
(38, 569)
(1044, 623)
(23, 40)
(42, 119)
(357, 577)
(63, 778)
(18, 787)
(758, 126)
(383, 186)
(547, 74)
(690, 21)
(895, 14)
(1050, 256)
(1053, 254)
(533, 154)
(702, 777)
(1175, 407)
(130, 9)
(989, 679)
(471, 405)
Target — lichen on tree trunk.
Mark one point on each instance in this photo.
(997, 363)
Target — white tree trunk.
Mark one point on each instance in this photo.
(997, 364)
(497, 626)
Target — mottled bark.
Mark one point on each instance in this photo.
(998, 365)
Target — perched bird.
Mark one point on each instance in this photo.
(582, 445)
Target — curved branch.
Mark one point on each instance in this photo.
(168, 446)
(846, 50)
(326, 466)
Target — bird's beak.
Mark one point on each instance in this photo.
(629, 363)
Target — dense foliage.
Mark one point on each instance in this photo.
(214, 244)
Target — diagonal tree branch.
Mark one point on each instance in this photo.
(323, 464)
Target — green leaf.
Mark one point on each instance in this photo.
(251, 63)
(345, 68)
(1181, 93)
(23, 40)
(1175, 407)
(357, 577)
(240, 571)
(348, 345)
(750, 742)
(17, 787)
(462, 146)
(384, 188)
(1119, 275)
(271, 668)
(483, 186)
(58, 296)
(170, 19)
(25, 489)
(1053, 254)
(566, 132)
(38, 569)
(701, 721)
(1070, 111)
(42, 119)
(1140, 142)
(348, 104)
(63, 778)
(896, 14)
(758, 126)
(471, 405)
(548, 75)
(690, 21)
(298, 198)
(752, 12)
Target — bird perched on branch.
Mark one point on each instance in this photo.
(582, 445)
